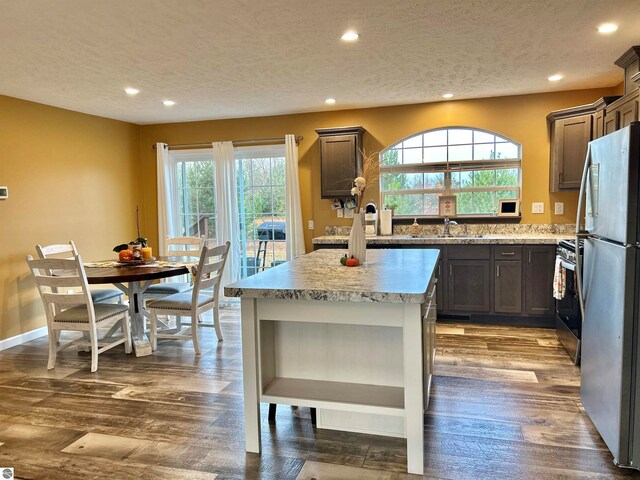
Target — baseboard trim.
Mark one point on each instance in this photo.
(22, 338)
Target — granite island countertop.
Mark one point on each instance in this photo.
(497, 239)
(388, 276)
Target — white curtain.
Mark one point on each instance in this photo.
(293, 218)
(166, 180)
(227, 224)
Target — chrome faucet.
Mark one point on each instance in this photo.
(447, 224)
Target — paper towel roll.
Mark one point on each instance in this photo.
(385, 222)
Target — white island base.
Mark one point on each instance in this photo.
(346, 341)
(360, 364)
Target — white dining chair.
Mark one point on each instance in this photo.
(65, 293)
(179, 249)
(69, 251)
(203, 297)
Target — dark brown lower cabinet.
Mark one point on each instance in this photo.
(441, 285)
(538, 272)
(508, 287)
(469, 286)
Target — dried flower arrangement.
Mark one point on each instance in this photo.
(369, 176)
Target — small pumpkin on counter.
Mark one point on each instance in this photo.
(352, 262)
(343, 260)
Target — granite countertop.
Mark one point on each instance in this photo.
(388, 276)
(518, 239)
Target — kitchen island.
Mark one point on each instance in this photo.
(354, 342)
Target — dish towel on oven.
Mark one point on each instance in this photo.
(559, 280)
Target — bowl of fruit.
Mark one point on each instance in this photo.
(131, 253)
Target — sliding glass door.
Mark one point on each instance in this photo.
(195, 194)
(260, 174)
(260, 180)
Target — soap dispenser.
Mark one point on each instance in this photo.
(415, 228)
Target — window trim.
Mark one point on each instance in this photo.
(449, 167)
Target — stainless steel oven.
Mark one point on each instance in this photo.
(568, 315)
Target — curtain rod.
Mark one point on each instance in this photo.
(236, 143)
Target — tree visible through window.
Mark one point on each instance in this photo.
(260, 183)
(476, 166)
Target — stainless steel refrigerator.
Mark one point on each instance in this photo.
(609, 291)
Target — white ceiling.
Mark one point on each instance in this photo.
(241, 58)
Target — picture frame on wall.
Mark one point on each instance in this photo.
(508, 207)
(447, 206)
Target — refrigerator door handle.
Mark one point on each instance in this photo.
(581, 233)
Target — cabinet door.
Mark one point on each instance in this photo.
(611, 121)
(629, 112)
(338, 165)
(598, 125)
(469, 286)
(571, 137)
(429, 350)
(440, 287)
(539, 264)
(508, 287)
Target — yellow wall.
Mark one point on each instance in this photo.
(521, 118)
(71, 176)
(79, 177)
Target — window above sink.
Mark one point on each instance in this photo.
(478, 167)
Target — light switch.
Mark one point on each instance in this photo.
(348, 213)
(340, 212)
(559, 208)
(312, 225)
(537, 207)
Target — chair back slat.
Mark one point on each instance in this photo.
(66, 249)
(55, 290)
(201, 281)
(184, 247)
(64, 279)
(54, 264)
(64, 298)
(207, 283)
(209, 268)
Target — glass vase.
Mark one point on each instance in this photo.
(357, 239)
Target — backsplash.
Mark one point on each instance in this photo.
(472, 229)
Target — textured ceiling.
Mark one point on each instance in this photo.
(240, 58)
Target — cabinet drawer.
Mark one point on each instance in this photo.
(469, 252)
(507, 252)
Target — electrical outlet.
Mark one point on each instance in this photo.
(340, 212)
(312, 225)
(559, 208)
(537, 207)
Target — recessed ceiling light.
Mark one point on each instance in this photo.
(330, 101)
(607, 28)
(447, 95)
(168, 103)
(131, 91)
(350, 36)
(555, 78)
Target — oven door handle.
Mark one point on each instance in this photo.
(568, 266)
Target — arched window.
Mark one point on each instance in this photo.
(476, 166)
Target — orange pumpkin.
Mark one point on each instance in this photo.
(352, 262)
(125, 255)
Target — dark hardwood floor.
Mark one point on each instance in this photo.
(505, 405)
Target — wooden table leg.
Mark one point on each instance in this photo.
(413, 378)
(141, 344)
(250, 374)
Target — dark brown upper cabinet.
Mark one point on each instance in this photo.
(571, 130)
(340, 159)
